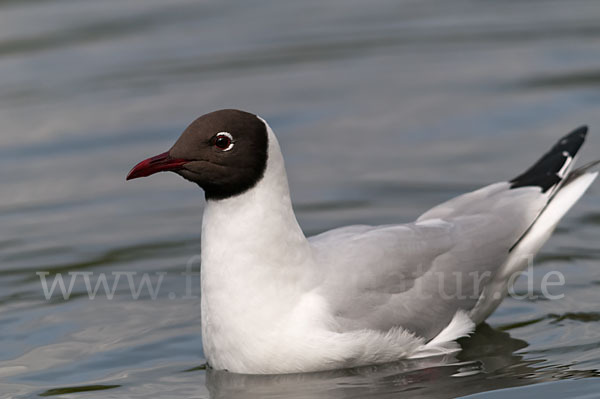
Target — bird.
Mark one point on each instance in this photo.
(274, 301)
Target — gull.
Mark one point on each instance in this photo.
(274, 301)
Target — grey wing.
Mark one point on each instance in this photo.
(418, 275)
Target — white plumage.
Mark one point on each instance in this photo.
(274, 301)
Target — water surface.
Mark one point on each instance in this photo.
(383, 109)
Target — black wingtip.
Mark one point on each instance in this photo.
(572, 142)
(545, 172)
(578, 133)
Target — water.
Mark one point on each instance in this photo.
(383, 109)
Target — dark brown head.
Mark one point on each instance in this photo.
(224, 152)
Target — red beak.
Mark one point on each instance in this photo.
(159, 163)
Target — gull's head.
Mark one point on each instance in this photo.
(224, 152)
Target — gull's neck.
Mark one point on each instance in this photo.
(260, 220)
(253, 266)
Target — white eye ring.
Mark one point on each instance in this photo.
(229, 136)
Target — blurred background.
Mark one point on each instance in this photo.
(382, 108)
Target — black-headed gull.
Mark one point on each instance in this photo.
(275, 301)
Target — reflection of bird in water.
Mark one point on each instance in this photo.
(487, 361)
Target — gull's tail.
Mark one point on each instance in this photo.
(552, 173)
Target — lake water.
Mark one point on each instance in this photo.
(383, 109)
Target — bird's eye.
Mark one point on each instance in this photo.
(223, 141)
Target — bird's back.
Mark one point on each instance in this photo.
(457, 256)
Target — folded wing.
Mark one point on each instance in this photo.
(419, 275)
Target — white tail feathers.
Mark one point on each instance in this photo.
(570, 191)
(444, 343)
